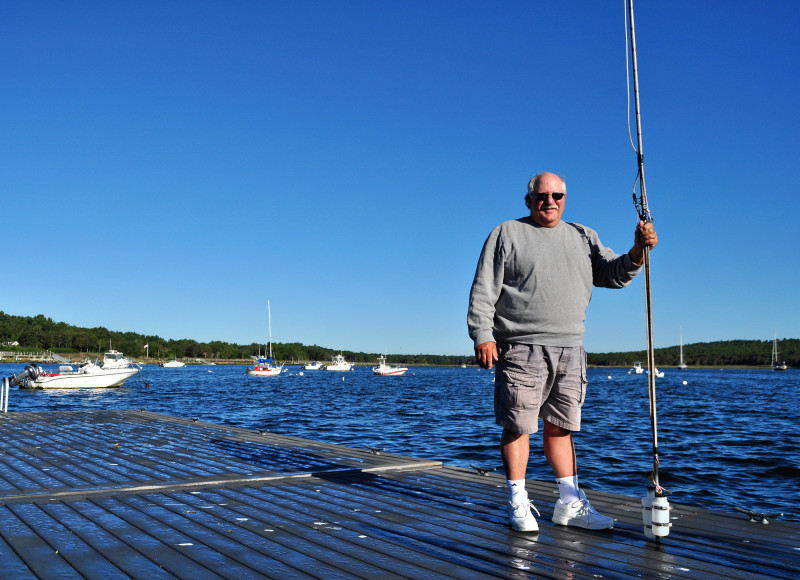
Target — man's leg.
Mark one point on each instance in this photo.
(559, 450)
(515, 449)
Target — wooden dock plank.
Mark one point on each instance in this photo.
(207, 531)
(625, 544)
(185, 499)
(444, 547)
(458, 533)
(167, 547)
(65, 542)
(41, 559)
(12, 565)
(339, 532)
(96, 529)
(269, 527)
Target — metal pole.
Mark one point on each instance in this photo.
(644, 215)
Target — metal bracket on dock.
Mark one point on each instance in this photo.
(483, 470)
(759, 516)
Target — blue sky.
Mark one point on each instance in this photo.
(168, 167)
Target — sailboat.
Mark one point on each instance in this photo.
(682, 365)
(264, 367)
(775, 365)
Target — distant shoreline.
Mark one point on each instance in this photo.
(245, 362)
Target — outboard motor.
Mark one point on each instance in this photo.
(31, 373)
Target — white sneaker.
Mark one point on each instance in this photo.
(520, 517)
(580, 513)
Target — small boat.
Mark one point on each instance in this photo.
(173, 364)
(637, 368)
(88, 375)
(313, 366)
(387, 370)
(776, 366)
(265, 367)
(339, 364)
(659, 374)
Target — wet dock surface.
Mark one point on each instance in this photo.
(118, 494)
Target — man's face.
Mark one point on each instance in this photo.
(547, 212)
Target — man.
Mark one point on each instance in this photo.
(527, 309)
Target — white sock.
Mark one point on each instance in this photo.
(568, 488)
(515, 488)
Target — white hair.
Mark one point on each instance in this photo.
(532, 187)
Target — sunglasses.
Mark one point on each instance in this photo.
(540, 197)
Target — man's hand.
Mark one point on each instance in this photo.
(486, 353)
(644, 237)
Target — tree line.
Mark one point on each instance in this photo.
(749, 353)
(42, 333)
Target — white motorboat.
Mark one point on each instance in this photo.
(265, 367)
(115, 360)
(173, 364)
(88, 375)
(659, 374)
(388, 370)
(339, 364)
(776, 366)
(313, 366)
(637, 368)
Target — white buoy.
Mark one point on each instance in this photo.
(685, 383)
(609, 376)
(301, 373)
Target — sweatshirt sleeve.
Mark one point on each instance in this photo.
(610, 270)
(485, 291)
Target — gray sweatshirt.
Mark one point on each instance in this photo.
(533, 284)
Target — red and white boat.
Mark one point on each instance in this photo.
(387, 370)
(264, 367)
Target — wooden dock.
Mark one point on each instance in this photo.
(134, 494)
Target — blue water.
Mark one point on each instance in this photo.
(727, 438)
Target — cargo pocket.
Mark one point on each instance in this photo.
(516, 366)
(584, 377)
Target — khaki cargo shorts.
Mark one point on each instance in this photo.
(533, 382)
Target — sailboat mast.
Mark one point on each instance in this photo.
(775, 349)
(269, 324)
